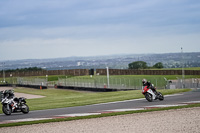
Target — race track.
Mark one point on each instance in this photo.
(137, 104)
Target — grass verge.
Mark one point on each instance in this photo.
(96, 116)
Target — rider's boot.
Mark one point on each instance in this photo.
(15, 105)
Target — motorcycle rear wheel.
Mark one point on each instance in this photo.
(26, 109)
(6, 111)
(149, 97)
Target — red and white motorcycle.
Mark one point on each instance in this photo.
(151, 95)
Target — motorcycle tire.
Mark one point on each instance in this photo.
(26, 109)
(6, 111)
(160, 96)
(149, 97)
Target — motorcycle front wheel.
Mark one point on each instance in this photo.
(25, 109)
(149, 97)
(160, 96)
(5, 110)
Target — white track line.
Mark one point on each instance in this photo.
(173, 95)
(29, 119)
(192, 102)
(117, 102)
(160, 106)
(78, 114)
(122, 110)
(113, 102)
(133, 100)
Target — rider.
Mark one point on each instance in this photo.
(149, 85)
(9, 94)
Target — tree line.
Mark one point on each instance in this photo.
(143, 65)
(24, 69)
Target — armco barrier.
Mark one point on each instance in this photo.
(92, 89)
(32, 86)
(20, 85)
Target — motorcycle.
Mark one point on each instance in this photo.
(151, 95)
(11, 104)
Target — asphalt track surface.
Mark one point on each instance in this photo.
(129, 104)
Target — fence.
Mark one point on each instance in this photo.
(103, 82)
(32, 81)
(186, 83)
(113, 82)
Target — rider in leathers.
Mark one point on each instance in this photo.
(149, 85)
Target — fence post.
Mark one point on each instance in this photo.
(108, 84)
(66, 81)
(156, 83)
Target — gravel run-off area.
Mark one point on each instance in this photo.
(28, 96)
(171, 121)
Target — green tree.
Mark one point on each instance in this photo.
(138, 65)
(25, 69)
(158, 65)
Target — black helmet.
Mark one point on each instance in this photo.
(8, 93)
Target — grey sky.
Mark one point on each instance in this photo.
(63, 28)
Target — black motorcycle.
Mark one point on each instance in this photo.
(11, 104)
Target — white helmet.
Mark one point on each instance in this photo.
(144, 81)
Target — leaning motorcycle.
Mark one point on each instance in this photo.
(151, 95)
(11, 104)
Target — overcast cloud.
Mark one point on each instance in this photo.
(63, 28)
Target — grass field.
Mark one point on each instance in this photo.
(57, 98)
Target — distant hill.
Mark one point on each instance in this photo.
(170, 60)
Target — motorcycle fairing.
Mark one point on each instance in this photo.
(152, 93)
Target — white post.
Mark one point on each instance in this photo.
(47, 81)
(108, 77)
(11, 79)
(183, 72)
(4, 73)
(65, 80)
